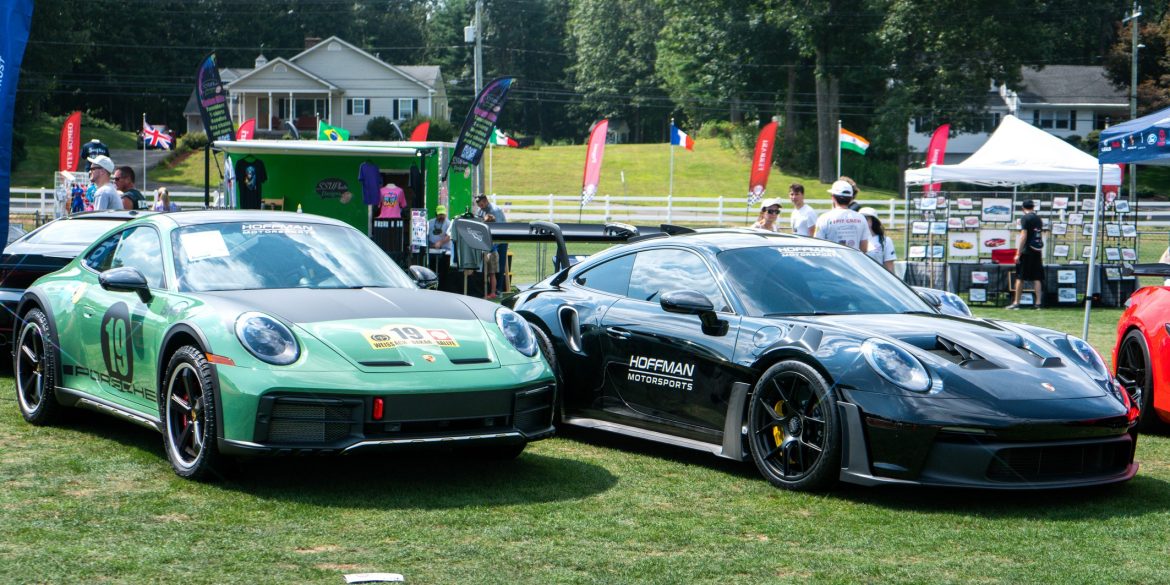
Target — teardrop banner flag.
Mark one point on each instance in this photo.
(15, 22)
(213, 103)
(247, 130)
(937, 152)
(70, 143)
(761, 163)
(593, 156)
(419, 134)
(477, 127)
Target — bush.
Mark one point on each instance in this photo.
(191, 141)
(381, 128)
(440, 130)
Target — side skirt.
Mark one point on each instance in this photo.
(70, 397)
(629, 431)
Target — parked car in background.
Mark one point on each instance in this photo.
(1141, 356)
(48, 249)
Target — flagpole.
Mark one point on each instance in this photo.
(491, 150)
(670, 193)
(838, 149)
(143, 150)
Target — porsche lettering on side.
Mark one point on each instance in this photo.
(241, 332)
(819, 366)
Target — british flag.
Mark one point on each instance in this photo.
(154, 137)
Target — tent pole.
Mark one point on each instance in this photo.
(1097, 205)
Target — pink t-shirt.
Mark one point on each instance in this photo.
(393, 200)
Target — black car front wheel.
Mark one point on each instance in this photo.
(188, 413)
(793, 428)
(1133, 371)
(34, 365)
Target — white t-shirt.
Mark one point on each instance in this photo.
(106, 197)
(803, 220)
(844, 226)
(882, 252)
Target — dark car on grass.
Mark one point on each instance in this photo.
(816, 363)
(48, 249)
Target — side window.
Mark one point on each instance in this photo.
(141, 249)
(611, 277)
(668, 269)
(101, 257)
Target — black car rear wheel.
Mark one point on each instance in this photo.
(188, 413)
(1134, 373)
(34, 365)
(793, 429)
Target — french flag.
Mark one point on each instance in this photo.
(680, 138)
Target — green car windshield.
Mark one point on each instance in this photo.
(273, 255)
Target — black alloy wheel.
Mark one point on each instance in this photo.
(34, 365)
(793, 429)
(1135, 375)
(188, 413)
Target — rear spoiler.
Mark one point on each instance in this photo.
(1152, 269)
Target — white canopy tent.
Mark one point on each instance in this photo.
(1019, 154)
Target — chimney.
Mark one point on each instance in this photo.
(261, 61)
(311, 42)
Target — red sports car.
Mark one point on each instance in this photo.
(994, 242)
(1141, 357)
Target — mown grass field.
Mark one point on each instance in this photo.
(94, 500)
(43, 145)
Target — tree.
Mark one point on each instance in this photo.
(1153, 91)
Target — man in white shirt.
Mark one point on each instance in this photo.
(106, 196)
(841, 224)
(804, 217)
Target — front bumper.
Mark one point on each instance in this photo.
(885, 452)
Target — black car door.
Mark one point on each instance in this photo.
(593, 291)
(661, 367)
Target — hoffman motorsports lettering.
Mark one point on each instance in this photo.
(660, 372)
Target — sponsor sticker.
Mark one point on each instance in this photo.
(249, 229)
(399, 336)
(666, 374)
(808, 251)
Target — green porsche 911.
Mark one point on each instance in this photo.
(242, 332)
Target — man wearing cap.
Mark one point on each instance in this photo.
(841, 224)
(105, 196)
(1029, 255)
(439, 243)
(803, 218)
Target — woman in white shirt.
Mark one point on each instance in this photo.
(769, 213)
(881, 248)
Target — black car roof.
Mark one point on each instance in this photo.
(717, 240)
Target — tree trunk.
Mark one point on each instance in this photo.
(736, 113)
(826, 125)
(790, 123)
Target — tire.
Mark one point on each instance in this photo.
(1136, 376)
(546, 350)
(793, 428)
(34, 369)
(188, 413)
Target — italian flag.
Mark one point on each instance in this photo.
(854, 142)
(501, 139)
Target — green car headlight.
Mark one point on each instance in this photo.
(516, 330)
(267, 339)
(896, 365)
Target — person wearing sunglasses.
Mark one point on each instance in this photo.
(105, 195)
(124, 181)
(769, 213)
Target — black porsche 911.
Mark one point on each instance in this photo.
(819, 365)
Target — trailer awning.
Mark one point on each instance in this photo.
(324, 148)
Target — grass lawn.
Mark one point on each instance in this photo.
(94, 500)
(44, 150)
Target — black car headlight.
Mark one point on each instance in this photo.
(1087, 357)
(267, 339)
(896, 365)
(516, 330)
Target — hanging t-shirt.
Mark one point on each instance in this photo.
(393, 200)
(250, 178)
(371, 180)
(91, 149)
(844, 226)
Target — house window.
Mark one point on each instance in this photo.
(405, 108)
(1054, 119)
(357, 106)
(1101, 120)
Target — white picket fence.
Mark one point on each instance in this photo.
(706, 211)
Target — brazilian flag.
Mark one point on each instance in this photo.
(332, 133)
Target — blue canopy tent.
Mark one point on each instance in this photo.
(1138, 141)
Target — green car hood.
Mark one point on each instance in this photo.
(379, 330)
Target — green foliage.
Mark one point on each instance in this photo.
(381, 128)
(191, 141)
(440, 130)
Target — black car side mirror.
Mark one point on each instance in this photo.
(928, 296)
(125, 279)
(690, 302)
(424, 277)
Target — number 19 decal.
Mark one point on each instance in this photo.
(116, 350)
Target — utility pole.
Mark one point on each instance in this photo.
(1133, 84)
(479, 78)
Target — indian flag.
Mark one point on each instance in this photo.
(854, 142)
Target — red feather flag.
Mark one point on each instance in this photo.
(593, 155)
(70, 143)
(419, 134)
(936, 152)
(761, 163)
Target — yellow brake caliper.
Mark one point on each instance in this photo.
(777, 432)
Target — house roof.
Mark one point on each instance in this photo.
(273, 64)
(399, 70)
(1069, 85)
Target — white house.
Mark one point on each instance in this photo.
(1064, 100)
(342, 84)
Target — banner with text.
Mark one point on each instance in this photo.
(70, 143)
(761, 163)
(213, 102)
(15, 20)
(477, 127)
(593, 156)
